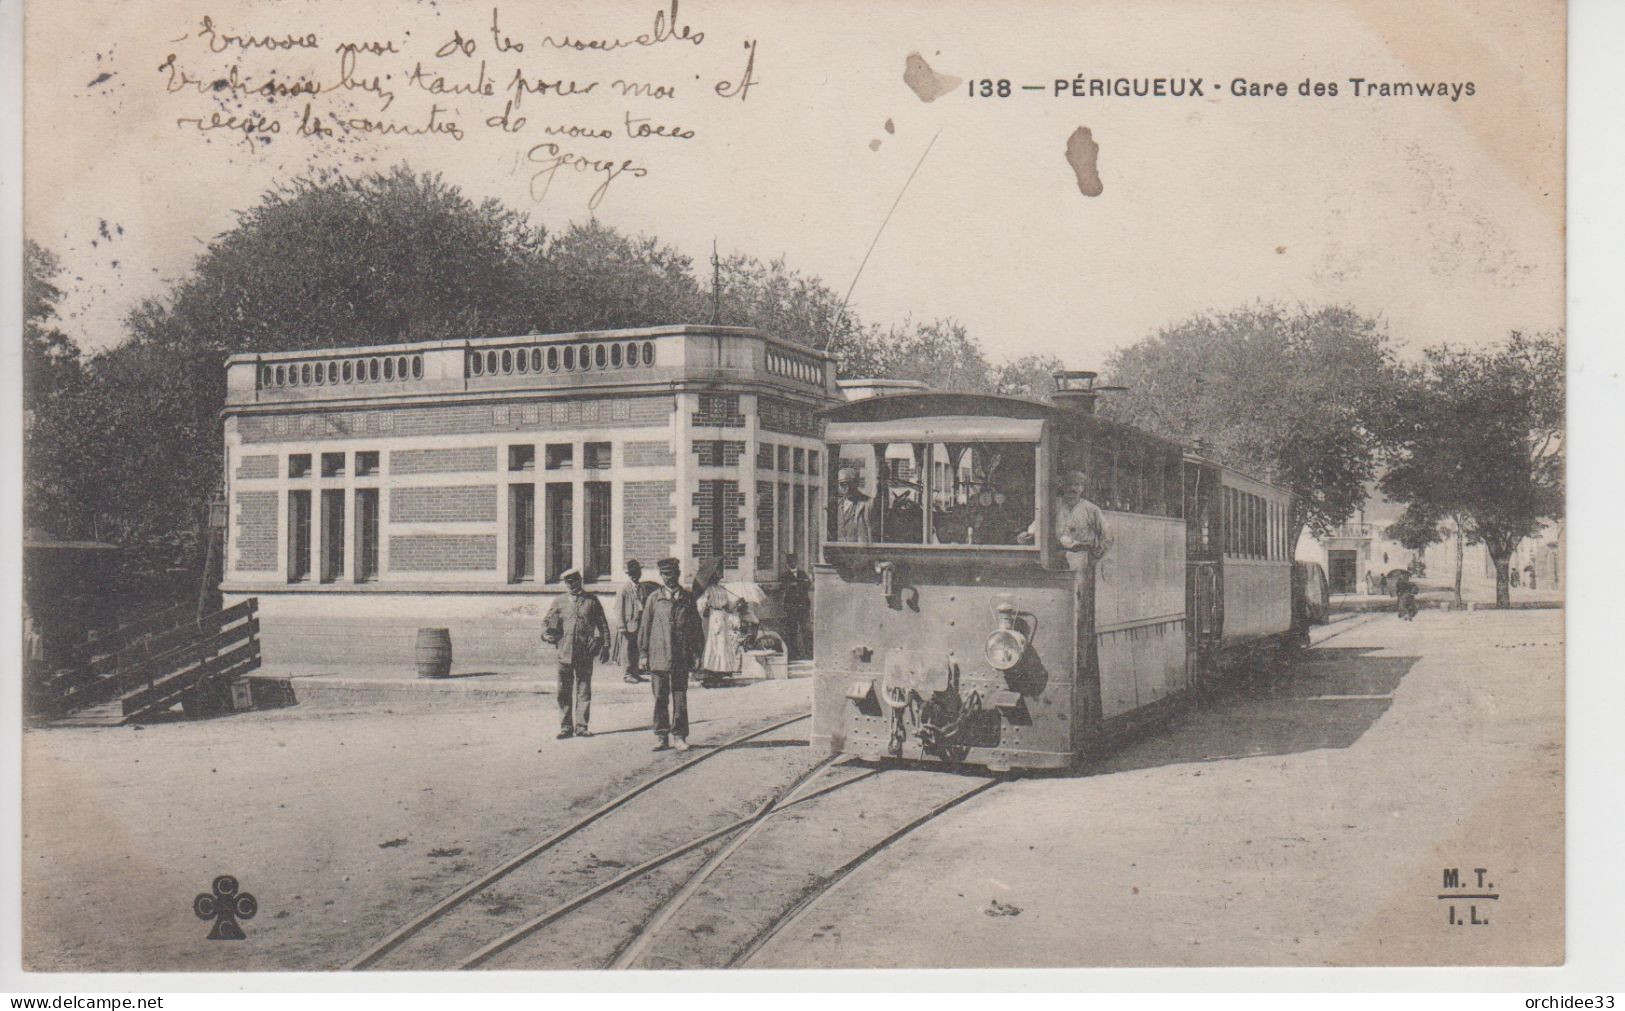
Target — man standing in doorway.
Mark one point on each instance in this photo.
(797, 609)
(575, 624)
(671, 639)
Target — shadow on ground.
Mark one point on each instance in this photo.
(1327, 698)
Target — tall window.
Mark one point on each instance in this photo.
(298, 536)
(332, 534)
(560, 530)
(366, 534)
(521, 533)
(784, 516)
(599, 564)
(712, 530)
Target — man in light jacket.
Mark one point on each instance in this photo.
(575, 624)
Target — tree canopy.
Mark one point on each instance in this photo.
(52, 372)
(1478, 441)
(1294, 396)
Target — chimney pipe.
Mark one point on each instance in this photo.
(1075, 389)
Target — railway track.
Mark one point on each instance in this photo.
(713, 899)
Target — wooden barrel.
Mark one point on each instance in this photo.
(434, 652)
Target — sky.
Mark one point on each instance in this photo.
(1442, 218)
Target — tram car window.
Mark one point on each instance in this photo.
(1014, 584)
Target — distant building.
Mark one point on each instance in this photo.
(374, 490)
(1359, 556)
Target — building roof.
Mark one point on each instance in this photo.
(498, 341)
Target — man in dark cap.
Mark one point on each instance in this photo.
(797, 588)
(628, 611)
(671, 639)
(575, 624)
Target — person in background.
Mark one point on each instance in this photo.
(628, 609)
(722, 613)
(1529, 576)
(854, 517)
(575, 624)
(797, 609)
(1080, 526)
(1405, 591)
(905, 520)
(670, 640)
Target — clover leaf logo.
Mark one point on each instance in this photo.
(225, 907)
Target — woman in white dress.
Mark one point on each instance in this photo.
(721, 611)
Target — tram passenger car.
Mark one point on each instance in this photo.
(946, 635)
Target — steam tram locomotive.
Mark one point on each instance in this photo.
(954, 622)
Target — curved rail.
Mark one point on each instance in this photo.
(800, 907)
(570, 905)
(644, 935)
(396, 937)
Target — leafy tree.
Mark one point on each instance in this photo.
(786, 303)
(1031, 375)
(1294, 396)
(595, 278)
(941, 353)
(50, 357)
(334, 260)
(1418, 531)
(1479, 441)
(52, 373)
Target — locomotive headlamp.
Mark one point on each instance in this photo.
(1008, 644)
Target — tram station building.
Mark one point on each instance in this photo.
(376, 490)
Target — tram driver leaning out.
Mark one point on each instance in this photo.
(1080, 526)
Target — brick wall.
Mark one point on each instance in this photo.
(647, 454)
(443, 553)
(255, 533)
(730, 545)
(718, 452)
(451, 460)
(463, 503)
(719, 410)
(764, 456)
(257, 466)
(647, 516)
(458, 419)
(764, 526)
(777, 415)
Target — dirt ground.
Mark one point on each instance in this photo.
(1305, 822)
(1301, 821)
(341, 818)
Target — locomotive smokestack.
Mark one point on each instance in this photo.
(1076, 389)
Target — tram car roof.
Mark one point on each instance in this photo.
(979, 417)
